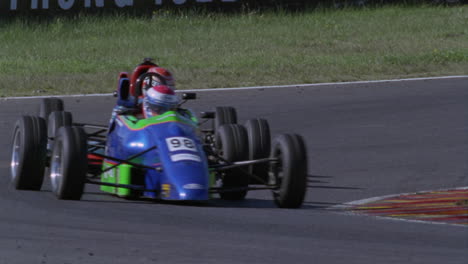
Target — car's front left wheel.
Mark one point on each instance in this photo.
(69, 164)
(28, 153)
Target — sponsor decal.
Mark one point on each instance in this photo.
(137, 144)
(185, 156)
(166, 190)
(193, 186)
(108, 174)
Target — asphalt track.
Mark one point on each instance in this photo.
(364, 140)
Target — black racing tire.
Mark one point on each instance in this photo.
(28, 155)
(231, 142)
(259, 143)
(49, 105)
(224, 115)
(58, 119)
(290, 171)
(69, 163)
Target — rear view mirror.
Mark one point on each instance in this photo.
(189, 96)
(207, 115)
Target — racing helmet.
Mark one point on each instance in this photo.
(150, 80)
(158, 100)
(158, 76)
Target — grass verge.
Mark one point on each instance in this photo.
(85, 55)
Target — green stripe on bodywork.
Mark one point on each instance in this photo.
(124, 177)
(120, 175)
(181, 116)
(108, 177)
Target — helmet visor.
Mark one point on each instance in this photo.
(149, 82)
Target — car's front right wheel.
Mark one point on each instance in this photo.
(289, 171)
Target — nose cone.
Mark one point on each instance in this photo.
(192, 192)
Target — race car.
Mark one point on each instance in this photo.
(165, 157)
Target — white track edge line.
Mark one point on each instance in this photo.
(255, 87)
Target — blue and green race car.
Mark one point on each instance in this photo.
(166, 157)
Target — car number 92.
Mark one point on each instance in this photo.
(180, 143)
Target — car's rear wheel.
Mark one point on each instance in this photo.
(69, 163)
(58, 119)
(259, 142)
(231, 143)
(49, 105)
(224, 115)
(289, 171)
(28, 155)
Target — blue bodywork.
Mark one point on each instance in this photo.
(179, 161)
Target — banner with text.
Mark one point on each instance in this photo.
(12, 7)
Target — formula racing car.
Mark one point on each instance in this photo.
(169, 157)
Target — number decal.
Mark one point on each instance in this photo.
(189, 143)
(175, 143)
(180, 143)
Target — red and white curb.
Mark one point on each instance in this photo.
(449, 206)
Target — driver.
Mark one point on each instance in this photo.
(158, 100)
(154, 76)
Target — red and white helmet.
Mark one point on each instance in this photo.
(158, 76)
(159, 99)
